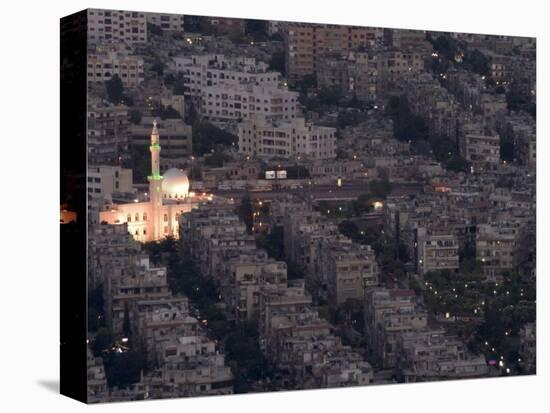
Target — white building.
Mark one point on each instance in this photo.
(265, 138)
(200, 71)
(116, 26)
(228, 102)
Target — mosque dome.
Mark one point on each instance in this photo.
(175, 184)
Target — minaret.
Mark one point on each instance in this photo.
(155, 185)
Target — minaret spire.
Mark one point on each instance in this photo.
(155, 185)
(155, 152)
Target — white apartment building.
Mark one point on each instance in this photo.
(266, 138)
(103, 66)
(201, 71)
(116, 26)
(239, 102)
(103, 180)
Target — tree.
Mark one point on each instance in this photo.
(135, 116)
(256, 29)
(207, 136)
(103, 340)
(216, 159)
(330, 96)
(123, 369)
(115, 89)
(166, 112)
(154, 29)
(273, 243)
(245, 211)
(349, 229)
(380, 189)
(126, 322)
(307, 82)
(158, 67)
(478, 62)
(277, 62)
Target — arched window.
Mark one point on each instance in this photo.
(144, 231)
(177, 216)
(129, 218)
(165, 217)
(145, 216)
(136, 218)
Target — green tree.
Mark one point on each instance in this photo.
(245, 212)
(277, 62)
(126, 322)
(135, 116)
(123, 369)
(380, 188)
(115, 89)
(158, 67)
(207, 136)
(103, 340)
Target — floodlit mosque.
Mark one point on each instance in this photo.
(169, 197)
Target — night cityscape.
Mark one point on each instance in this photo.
(278, 206)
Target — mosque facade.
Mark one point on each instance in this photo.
(168, 198)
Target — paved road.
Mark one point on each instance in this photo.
(348, 191)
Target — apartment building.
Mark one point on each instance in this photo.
(236, 102)
(156, 321)
(245, 274)
(166, 21)
(213, 234)
(302, 344)
(437, 249)
(388, 314)
(520, 128)
(177, 139)
(262, 137)
(349, 269)
(432, 354)
(483, 151)
(497, 246)
(107, 132)
(98, 392)
(200, 71)
(103, 66)
(190, 366)
(404, 38)
(528, 346)
(116, 26)
(111, 251)
(104, 180)
(139, 282)
(306, 45)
